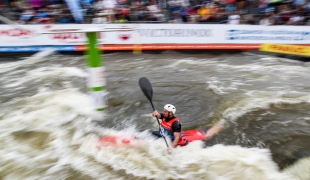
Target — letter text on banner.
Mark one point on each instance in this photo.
(286, 49)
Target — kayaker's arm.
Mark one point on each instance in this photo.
(177, 137)
(214, 130)
(176, 127)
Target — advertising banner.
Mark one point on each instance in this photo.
(152, 34)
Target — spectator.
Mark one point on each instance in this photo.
(121, 18)
(137, 13)
(241, 4)
(107, 7)
(234, 18)
(100, 18)
(204, 13)
(284, 13)
(177, 19)
(299, 2)
(26, 15)
(36, 4)
(219, 15)
(154, 9)
(16, 9)
(110, 7)
(307, 6)
(298, 18)
(266, 20)
(184, 13)
(262, 5)
(121, 4)
(173, 6)
(151, 18)
(98, 5)
(65, 17)
(230, 5)
(41, 13)
(253, 20)
(192, 14)
(122, 9)
(184, 3)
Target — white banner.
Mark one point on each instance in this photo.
(158, 34)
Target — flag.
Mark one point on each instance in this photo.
(76, 10)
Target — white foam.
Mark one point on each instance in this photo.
(37, 57)
(63, 116)
(43, 73)
(299, 170)
(189, 162)
(221, 87)
(261, 100)
(68, 148)
(190, 61)
(213, 85)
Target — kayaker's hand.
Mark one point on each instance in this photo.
(169, 149)
(156, 114)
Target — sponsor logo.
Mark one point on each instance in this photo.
(278, 35)
(176, 32)
(16, 32)
(65, 35)
(287, 49)
(35, 48)
(125, 34)
(124, 37)
(290, 49)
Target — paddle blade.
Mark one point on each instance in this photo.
(146, 87)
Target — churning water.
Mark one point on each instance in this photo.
(49, 129)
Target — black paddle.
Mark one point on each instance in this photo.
(146, 87)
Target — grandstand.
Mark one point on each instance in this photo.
(254, 12)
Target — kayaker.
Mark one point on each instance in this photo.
(170, 125)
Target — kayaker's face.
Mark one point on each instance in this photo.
(167, 114)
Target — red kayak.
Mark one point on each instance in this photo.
(186, 137)
(191, 135)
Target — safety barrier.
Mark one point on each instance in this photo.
(26, 38)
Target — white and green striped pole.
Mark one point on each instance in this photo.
(96, 69)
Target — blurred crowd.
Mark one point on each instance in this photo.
(255, 12)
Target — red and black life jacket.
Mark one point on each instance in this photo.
(166, 126)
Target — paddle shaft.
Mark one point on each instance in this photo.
(154, 110)
(146, 87)
(159, 124)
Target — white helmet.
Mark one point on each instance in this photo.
(170, 108)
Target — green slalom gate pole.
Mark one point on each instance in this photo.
(97, 78)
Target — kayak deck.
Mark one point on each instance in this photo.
(186, 137)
